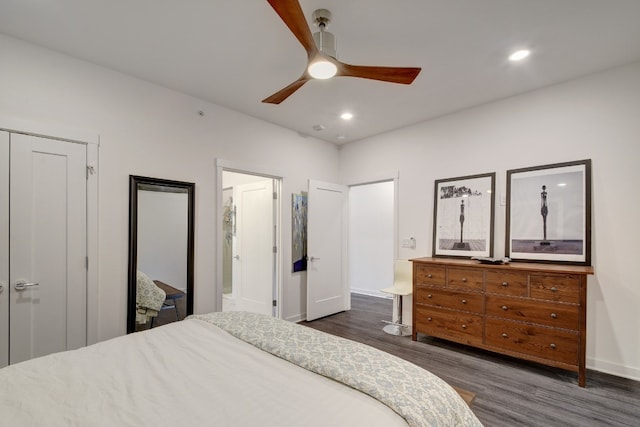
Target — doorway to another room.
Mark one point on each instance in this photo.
(250, 236)
(372, 235)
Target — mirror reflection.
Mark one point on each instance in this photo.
(160, 252)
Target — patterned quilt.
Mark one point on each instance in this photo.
(417, 395)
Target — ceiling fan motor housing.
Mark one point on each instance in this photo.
(325, 41)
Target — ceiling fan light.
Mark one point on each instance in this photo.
(322, 69)
(519, 55)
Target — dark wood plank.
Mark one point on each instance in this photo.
(509, 392)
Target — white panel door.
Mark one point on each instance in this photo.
(253, 279)
(327, 288)
(47, 247)
(4, 249)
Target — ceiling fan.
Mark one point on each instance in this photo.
(321, 54)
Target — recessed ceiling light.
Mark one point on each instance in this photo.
(346, 116)
(519, 55)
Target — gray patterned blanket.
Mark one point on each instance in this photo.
(417, 395)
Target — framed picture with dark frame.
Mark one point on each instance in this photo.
(463, 215)
(548, 214)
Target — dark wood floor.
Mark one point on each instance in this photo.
(509, 392)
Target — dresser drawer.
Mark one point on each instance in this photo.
(546, 343)
(556, 287)
(465, 278)
(430, 275)
(556, 315)
(457, 300)
(465, 328)
(507, 283)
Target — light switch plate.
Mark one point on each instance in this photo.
(409, 243)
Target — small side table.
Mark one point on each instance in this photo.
(172, 294)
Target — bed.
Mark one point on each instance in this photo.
(227, 369)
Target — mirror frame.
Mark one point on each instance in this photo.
(134, 182)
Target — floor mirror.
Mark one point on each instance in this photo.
(161, 252)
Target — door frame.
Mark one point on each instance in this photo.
(92, 142)
(229, 166)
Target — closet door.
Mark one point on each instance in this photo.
(4, 248)
(47, 247)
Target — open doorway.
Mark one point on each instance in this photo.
(371, 237)
(250, 236)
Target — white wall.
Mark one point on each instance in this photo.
(371, 238)
(596, 117)
(151, 131)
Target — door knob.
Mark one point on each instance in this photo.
(236, 257)
(313, 259)
(21, 285)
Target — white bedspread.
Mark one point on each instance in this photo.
(420, 397)
(188, 373)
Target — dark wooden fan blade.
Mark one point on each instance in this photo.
(404, 75)
(283, 94)
(291, 13)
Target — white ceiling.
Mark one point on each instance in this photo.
(237, 52)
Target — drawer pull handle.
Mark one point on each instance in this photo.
(554, 316)
(429, 296)
(429, 319)
(464, 279)
(504, 307)
(553, 346)
(505, 284)
(464, 326)
(554, 289)
(464, 301)
(429, 276)
(504, 335)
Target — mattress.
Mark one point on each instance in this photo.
(196, 373)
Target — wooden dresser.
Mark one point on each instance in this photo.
(531, 311)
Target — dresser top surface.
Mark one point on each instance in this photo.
(527, 266)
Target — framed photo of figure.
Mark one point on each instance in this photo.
(548, 214)
(463, 215)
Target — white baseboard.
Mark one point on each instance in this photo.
(297, 318)
(371, 293)
(613, 369)
(303, 316)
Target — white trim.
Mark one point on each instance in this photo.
(371, 293)
(298, 318)
(48, 130)
(248, 169)
(375, 178)
(613, 369)
(224, 165)
(93, 325)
